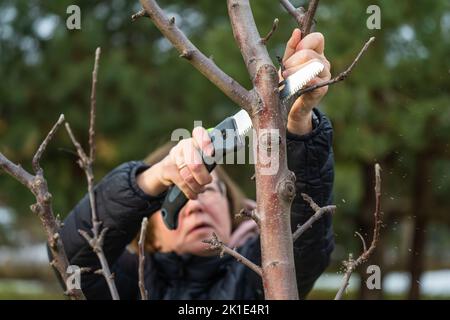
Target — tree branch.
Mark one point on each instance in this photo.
(37, 157)
(85, 163)
(274, 27)
(296, 13)
(308, 18)
(93, 106)
(96, 241)
(37, 184)
(247, 36)
(139, 14)
(352, 264)
(319, 212)
(339, 77)
(216, 244)
(250, 214)
(16, 171)
(141, 244)
(187, 50)
(304, 19)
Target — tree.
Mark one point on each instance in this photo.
(268, 113)
(263, 104)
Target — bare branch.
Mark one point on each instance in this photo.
(43, 206)
(139, 14)
(311, 202)
(247, 36)
(37, 157)
(216, 244)
(16, 171)
(304, 19)
(297, 14)
(319, 212)
(250, 214)
(308, 18)
(141, 243)
(362, 240)
(206, 66)
(80, 152)
(339, 77)
(93, 106)
(85, 162)
(267, 37)
(96, 241)
(351, 264)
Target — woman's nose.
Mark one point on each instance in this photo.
(192, 206)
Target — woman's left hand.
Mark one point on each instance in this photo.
(298, 52)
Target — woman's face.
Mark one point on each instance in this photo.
(197, 220)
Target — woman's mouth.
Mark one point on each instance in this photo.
(201, 227)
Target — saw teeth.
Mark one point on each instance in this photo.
(299, 79)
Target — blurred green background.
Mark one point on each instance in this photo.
(394, 109)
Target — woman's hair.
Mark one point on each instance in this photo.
(235, 197)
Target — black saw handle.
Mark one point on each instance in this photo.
(223, 143)
(174, 201)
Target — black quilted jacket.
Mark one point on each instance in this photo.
(121, 205)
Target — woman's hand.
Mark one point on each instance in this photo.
(183, 166)
(297, 53)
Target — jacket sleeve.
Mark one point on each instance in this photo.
(121, 206)
(310, 157)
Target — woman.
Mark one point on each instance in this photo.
(179, 264)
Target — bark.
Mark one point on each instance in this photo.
(275, 191)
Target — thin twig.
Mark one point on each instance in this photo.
(319, 212)
(308, 18)
(95, 241)
(362, 240)
(274, 27)
(188, 50)
(93, 106)
(37, 184)
(141, 253)
(249, 214)
(37, 157)
(85, 163)
(139, 14)
(352, 264)
(216, 244)
(339, 77)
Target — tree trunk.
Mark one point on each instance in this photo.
(421, 193)
(274, 197)
(276, 188)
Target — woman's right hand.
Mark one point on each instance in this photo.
(183, 166)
